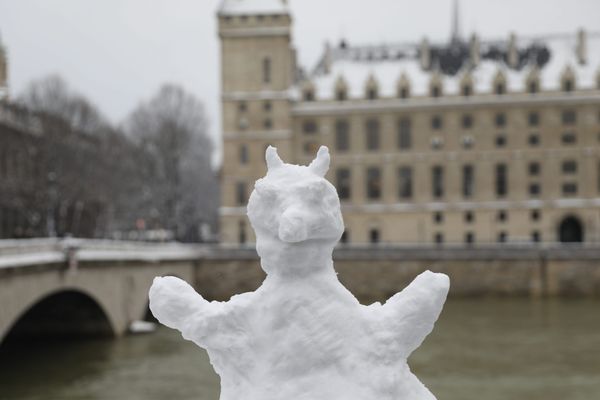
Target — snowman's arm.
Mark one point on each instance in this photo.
(177, 305)
(412, 313)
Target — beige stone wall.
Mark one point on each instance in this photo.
(372, 281)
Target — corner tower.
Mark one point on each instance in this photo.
(257, 71)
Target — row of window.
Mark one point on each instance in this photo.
(374, 236)
(499, 87)
(404, 124)
(405, 181)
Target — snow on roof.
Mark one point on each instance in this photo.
(387, 63)
(239, 7)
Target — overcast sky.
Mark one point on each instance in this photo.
(118, 52)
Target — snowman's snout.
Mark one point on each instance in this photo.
(293, 227)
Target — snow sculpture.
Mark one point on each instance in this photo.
(302, 335)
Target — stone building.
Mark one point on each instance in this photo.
(470, 141)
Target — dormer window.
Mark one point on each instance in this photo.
(567, 83)
(467, 90)
(371, 89)
(436, 90)
(403, 87)
(404, 92)
(341, 89)
(499, 84)
(500, 88)
(309, 95)
(466, 85)
(533, 87)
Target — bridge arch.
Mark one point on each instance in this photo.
(59, 313)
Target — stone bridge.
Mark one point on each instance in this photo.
(90, 287)
(57, 287)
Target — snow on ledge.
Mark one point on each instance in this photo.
(246, 7)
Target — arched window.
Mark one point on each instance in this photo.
(570, 230)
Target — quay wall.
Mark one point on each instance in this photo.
(376, 274)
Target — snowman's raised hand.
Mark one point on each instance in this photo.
(177, 305)
(412, 312)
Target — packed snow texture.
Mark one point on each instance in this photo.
(302, 334)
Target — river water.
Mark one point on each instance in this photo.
(481, 349)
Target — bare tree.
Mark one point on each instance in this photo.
(181, 192)
(52, 95)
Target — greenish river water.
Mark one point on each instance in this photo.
(481, 349)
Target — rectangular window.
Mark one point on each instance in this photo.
(569, 189)
(309, 127)
(500, 120)
(266, 70)
(438, 238)
(243, 154)
(374, 236)
(372, 134)
(240, 193)
(569, 138)
(373, 183)
(569, 167)
(535, 189)
(467, 121)
(534, 119)
(343, 183)
(342, 135)
(569, 117)
(501, 180)
(404, 134)
(405, 183)
(469, 238)
(436, 122)
(468, 181)
(534, 168)
(242, 232)
(437, 182)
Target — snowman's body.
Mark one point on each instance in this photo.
(302, 335)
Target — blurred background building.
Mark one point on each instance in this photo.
(465, 141)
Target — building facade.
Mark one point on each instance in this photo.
(469, 141)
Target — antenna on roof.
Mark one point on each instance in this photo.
(455, 35)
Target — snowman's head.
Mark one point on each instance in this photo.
(295, 207)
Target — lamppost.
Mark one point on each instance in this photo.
(50, 220)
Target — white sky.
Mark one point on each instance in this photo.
(118, 52)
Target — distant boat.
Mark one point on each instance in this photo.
(139, 327)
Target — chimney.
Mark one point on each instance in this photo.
(513, 55)
(581, 48)
(474, 50)
(425, 54)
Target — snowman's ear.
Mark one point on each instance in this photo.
(273, 160)
(320, 165)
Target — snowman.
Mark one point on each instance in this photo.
(302, 335)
